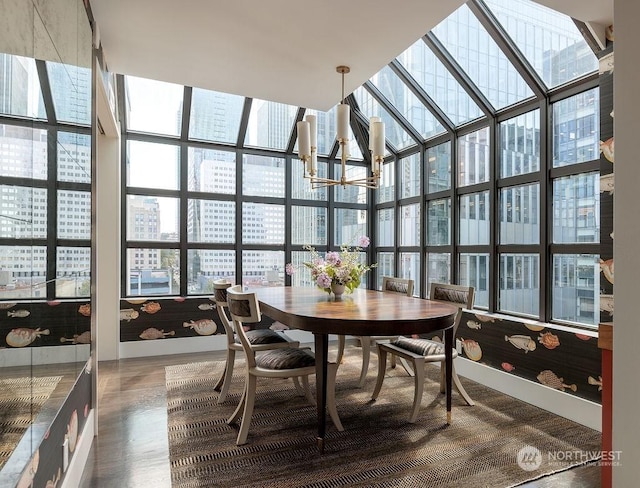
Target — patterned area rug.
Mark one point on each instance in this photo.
(378, 447)
(20, 401)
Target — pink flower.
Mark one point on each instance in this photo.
(289, 269)
(333, 258)
(363, 241)
(323, 280)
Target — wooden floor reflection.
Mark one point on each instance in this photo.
(132, 450)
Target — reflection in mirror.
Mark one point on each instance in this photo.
(45, 222)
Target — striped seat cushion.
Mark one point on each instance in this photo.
(263, 336)
(424, 347)
(286, 358)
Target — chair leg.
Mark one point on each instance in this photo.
(442, 378)
(341, 341)
(460, 388)
(307, 390)
(226, 377)
(382, 366)
(237, 413)
(417, 396)
(407, 367)
(249, 402)
(296, 383)
(366, 354)
(332, 371)
(393, 361)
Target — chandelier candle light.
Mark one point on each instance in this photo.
(308, 146)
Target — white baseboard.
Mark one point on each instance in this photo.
(568, 406)
(74, 471)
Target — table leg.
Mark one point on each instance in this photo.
(448, 362)
(322, 352)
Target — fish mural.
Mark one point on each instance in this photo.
(550, 379)
(151, 307)
(606, 266)
(472, 324)
(153, 333)
(128, 314)
(486, 318)
(549, 340)
(202, 327)
(18, 313)
(22, 337)
(206, 306)
(72, 430)
(84, 338)
(53, 482)
(592, 381)
(607, 183)
(523, 342)
(533, 327)
(471, 349)
(606, 304)
(607, 149)
(583, 337)
(6, 305)
(508, 367)
(85, 310)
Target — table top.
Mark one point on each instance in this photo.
(362, 313)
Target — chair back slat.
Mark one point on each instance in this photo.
(244, 309)
(220, 296)
(459, 295)
(397, 285)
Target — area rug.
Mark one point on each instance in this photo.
(20, 401)
(378, 446)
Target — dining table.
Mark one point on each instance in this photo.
(361, 313)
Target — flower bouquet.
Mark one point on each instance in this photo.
(336, 268)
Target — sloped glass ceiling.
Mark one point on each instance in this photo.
(550, 44)
(20, 92)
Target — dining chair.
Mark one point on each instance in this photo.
(262, 339)
(389, 285)
(275, 363)
(421, 351)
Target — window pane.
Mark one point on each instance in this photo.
(439, 222)
(74, 157)
(24, 270)
(394, 132)
(386, 227)
(301, 188)
(154, 106)
(480, 57)
(576, 288)
(262, 176)
(152, 218)
(21, 93)
(215, 116)
(386, 266)
(74, 214)
(270, 124)
(207, 266)
(410, 176)
(308, 225)
(262, 223)
(409, 265)
(212, 171)
(549, 40)
(474, 218)
(387, 187)
(520, 145)
(351, 193)
(23, 212)
(302, 276)
(349, 225)
(263, 268)
(410, 225)
(520, 284)
(439, 84)
(326, 130)
(71, 92)
(439, 167)
(153, 272)
(576, 209)
(73, 272)
(152, 165)
(211, 221)
(23, 151)
(519, 214)
(473, 157)
(438, 268)
(576, 129)
(474, 271)
(405, 101)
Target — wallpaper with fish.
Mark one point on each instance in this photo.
(562, 360)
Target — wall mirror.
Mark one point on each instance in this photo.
(45, 217)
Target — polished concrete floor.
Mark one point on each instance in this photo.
(131, 449)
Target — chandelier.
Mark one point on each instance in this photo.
(307, 146)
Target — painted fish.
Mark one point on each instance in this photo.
(153, 333)
(206, 306)
(85, 310)
(607, 149)
(523, 342)
(6, 305)
(84, 338)
(22, 337)
(592, 381)
(583, 337)
(72, 430)
(18, 313)
(508, 367)
(606, 304)
(550, 379)
(53, 483)
(607, 183)
(151, 307)
(203, 327)
(128, 314)
(607, 269)
(549, 340)
(471, 349)
(485, 318)
(278, 326)
(472, 324)
(533, 327)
